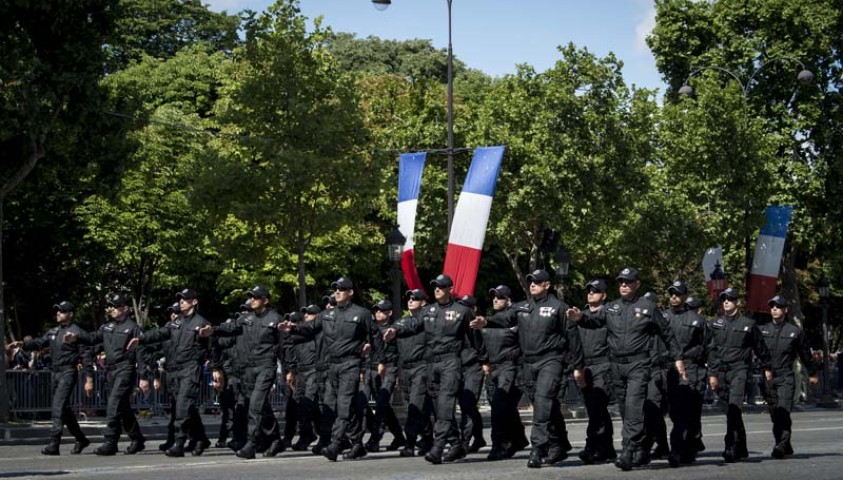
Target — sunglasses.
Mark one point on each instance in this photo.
(341, 289)
(626, 282)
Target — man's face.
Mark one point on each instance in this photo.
(499, 303)
(677, 300)
(729, 305)
(343, 295)
(538, 289)
(258, 303)
(778, 313)
(186, 305)
(442, 294)
(382, 316)
(116, 312)
(627, 288)
(594, 297)
(63, 317)
(414, 304)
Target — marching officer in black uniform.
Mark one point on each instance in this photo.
(257, 350)
(786, 343)
(547, 343)
(734, 338)
(599, 446)
(380, 381)
(121, 373)
(445, 324)
(66, 357)
(686, 397)
(413, 381)
(346, 338)
(303, 356)
(225, 375)
(631, 322)
(502, 370)
(186, 353)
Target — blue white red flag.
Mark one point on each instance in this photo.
(763, 278)
(468, 230)
(410, 169)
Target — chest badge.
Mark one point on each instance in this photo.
(451, 315)
(546, 312)
(746, 329)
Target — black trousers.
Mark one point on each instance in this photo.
(419, 404)
(655, 408)
(599, 431)
(541, 383)
(444, 378)
(731, 390)
(234, 420)
(291, 413)
(504, 393)
(341, 400)
(471, 422)
(257, 385)
(188, 423)
(307, 397)
(64, 385)
(779, 396)
(380, 389)
(327, 414)
(121, 380)
(629, 382)
(686, 401)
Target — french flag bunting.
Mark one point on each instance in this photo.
(763, 278)
(410, 169)
(468, 231)
(712, 257)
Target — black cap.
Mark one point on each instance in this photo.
(64, 306)
(258, 292)
(779, 301)
(383, 305)
(501, 291)
(329, 299)
(293, 316)
(342, 283)
(628, 273)
(174, 308)
(415, 294)
(442, 281)
(118, 300)
(678, 287)
(245, 307)
(651, 296)
(312, 309)
(468, 301)
(730, 293)
(596, 285)
(692, 303)
(539, 276)
(188, 294)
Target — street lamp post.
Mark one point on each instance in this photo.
(395, 248)
(826, 400)
(718, 284)
(562, 259)
(382, 5)
(804, 77)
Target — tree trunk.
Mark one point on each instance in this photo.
(300, 249)
(4, 396)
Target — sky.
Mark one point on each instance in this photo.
(495, 35)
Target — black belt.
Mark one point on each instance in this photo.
(588, 362)
(539, 358)
(633, 357)
(410, 365)
(438, 357)
(732, 366)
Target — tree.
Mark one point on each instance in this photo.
(789, 133)
(51, 63)
(577, 145)
(301, 176)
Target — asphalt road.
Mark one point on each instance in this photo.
(818, 441)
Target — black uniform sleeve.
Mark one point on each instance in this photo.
(805, 356)
(664, 332)
(759, 346)
(156, 336)
(37, 343)
(503, 319)
(593, 319)
(411, 326)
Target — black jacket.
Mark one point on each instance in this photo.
(410, 342)
(258, 338)
(732, 341)
(182, 344)
(65, 355)
(345, 330)
(786, 342)
(500, 340)
(445, 327)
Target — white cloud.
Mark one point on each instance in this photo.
(645, 25)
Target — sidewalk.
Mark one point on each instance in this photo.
(155, 427)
